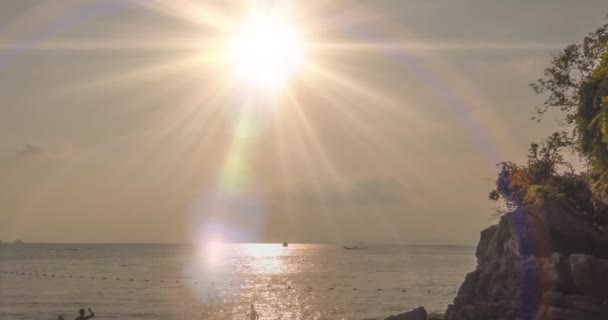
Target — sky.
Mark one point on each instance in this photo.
(118, 123)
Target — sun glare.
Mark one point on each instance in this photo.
(266, 51)
(212, 251)
(264, 249)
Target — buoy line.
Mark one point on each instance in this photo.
(195, 283)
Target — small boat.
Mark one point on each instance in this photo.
(354, 248)
(285, 244)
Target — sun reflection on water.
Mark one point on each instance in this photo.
(282, 283)
(264, 249)
(265, 258)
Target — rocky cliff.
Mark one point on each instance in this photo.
(542, 262)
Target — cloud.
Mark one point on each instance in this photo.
(376, 191)
(363, 192)
(29, 151)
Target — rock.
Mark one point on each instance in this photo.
(589, 275)
(592, 305)
(554, 313)
(542, 262)
(467, 289)
(416, 314)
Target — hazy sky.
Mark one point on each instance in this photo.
(112, 130)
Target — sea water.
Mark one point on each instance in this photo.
(302, 281)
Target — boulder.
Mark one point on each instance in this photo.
(542, 262)
(542, 230)
(416, 314)
(589, 275)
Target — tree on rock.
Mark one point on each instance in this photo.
(576, 83)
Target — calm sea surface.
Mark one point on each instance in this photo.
(42, 281)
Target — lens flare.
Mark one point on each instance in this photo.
(210, 251)
(213, 249)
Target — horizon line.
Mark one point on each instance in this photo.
(228, 242)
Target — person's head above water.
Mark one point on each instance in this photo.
(60, 318)
(81, 311)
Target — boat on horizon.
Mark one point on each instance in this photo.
(354, 248)
(285, 245)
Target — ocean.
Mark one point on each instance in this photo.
(158, 281)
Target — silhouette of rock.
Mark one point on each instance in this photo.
(545, 261)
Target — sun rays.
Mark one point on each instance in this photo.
(269, 75)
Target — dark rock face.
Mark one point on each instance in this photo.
(416, 314)
(543, 262)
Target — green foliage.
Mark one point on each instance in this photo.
(520, 185)
(602, 69)
(564, 79)
(540, 192)
(511, 185)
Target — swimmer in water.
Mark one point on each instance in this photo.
(253, 315)
(83, 317)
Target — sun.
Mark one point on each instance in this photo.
(266, 51)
